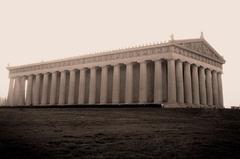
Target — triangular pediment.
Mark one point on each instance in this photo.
(201, 46)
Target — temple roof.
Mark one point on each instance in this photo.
(199, 46)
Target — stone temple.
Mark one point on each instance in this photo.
(177, 73)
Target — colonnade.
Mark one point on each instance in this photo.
(169, 81)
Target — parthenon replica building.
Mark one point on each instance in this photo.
(177, 73)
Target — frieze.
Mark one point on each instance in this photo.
(121, 55)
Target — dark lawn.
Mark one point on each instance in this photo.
(119, 133)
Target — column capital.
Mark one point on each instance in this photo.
(219, 73)
(154, 60)
(201, 68)
(62, 71)
(73, 70)
(46, 73)
(142, 61)
(214, 71)
(83, 69)
(171, 59)
(129, 63)
(93, 67)
(105, 66)
(117, 64)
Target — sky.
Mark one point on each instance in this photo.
(41, 30)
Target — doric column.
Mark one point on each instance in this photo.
(17, 91)
(16, 95)
(187, 84)
(215, 88)
(220, 90)
(158, 88)
(171, 81)
(209, 87)
(179, 79)
(92, 87)
(143, 82)
(104, 81)
(45, 89)
(129, 83)
(22, 91)
(29, 90)
(195, 85)
(62, 90)
(116, 84)
(53, 91)
(10, 92)
(202, 84)
(36, 93)
(72, 83)
(81, 89)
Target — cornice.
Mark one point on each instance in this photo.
(169, 47)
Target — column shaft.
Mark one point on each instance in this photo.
(62, 90)
(129, 83)
(82, 82)
(29, 90)
(209, 87)
(158, 87)
(21, 91)
(202, 84)
(179, 79)
(45, 89)
(72, 84)
(195, 85)
(220, 90)
(187, 84)
(53, 91)
(215, 89)
(92, 87)
(104, 81)
(16, 91)
(171, 81)
(143, 83)
(36, 93)
(10, 92)
(116, 84)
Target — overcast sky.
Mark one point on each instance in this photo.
(41, 30)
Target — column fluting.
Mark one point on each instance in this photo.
(195, 85)
(92, 87)
(72, 83)
(220, 89)
(36, 93)
(45, 92)
(143, 82)
(82, 83)
(116, 84)
(158, 87)
(10, 92)
(187, 84)
(179, 79)
(209, 87)
(62, 90)
(171, 81)
(202, 84)
(129, 83)
(104, 84)
(29, 94)
(53, 91)
(215, 89)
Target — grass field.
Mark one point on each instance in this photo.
(119, 133)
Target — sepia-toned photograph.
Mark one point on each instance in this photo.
(88, 79)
